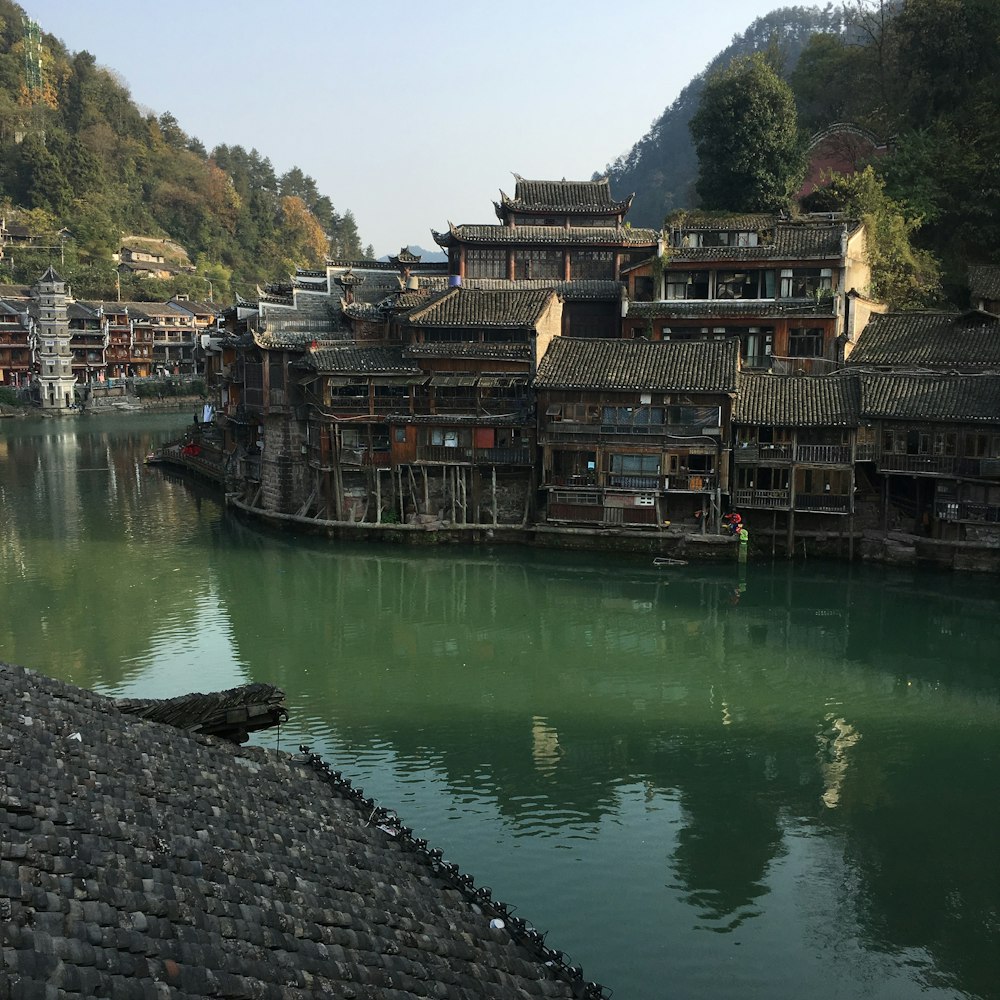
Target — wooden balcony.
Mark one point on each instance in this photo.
(966, 510)
(764, 499)
(691, 484)
(823, 454)
(919, 465)
(823, 503)
(764, 454)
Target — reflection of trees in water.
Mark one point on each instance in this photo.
(82, 582)
(547, 687)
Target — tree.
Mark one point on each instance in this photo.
(903, 276)
(745, 131)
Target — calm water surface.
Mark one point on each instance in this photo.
(701, 785)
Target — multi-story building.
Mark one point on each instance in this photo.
(568, 235)
(17, 338)
(790, 291)
(634, 432)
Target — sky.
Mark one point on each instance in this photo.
(410, 115)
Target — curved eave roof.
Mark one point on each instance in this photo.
(640, 365)
(797, 401)
(945, 398)
(612, 236)
(470, 308)
(730, 308)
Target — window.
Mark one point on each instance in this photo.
(593, 264)
(805, 342)
(642, 288)
(806, 282)
(484, 263)
(687, 285)
(538, 264)
(744, 285)
(635, 465)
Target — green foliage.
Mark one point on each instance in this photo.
(78, 149)
(11, 397)
(746, 137)
(903, 276)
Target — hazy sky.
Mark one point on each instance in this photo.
(408, 114)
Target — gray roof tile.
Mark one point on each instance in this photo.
(984, 281)
(552, 235)
(684, 366)
(470, 308)
(929, 340)
(949, 398)
(563, 196)
(797, 401)
(200, 869)
(356, 359)
(751, 308)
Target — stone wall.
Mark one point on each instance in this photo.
(283, 472)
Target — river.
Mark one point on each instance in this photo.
(700, 783)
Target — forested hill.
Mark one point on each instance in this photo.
(77, 154)
(922, 74)
(661, 167)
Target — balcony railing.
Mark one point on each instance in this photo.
(966, 510)
(827, 503)
(443, 453)
(751, 454)
(502, 456)
(691, 484)
(920, 465)
(823, 454)
(768, 499)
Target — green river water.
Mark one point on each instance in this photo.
(701, 784)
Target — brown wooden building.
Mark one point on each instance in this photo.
(633, 432)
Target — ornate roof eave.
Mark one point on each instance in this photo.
(448, 239)
(508, 204)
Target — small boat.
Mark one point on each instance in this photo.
(664, 561)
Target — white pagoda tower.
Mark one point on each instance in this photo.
(56, 378)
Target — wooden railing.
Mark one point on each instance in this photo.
(828, 503)
(823, 454)
(927, 465)
(769, 499)
(766, 453)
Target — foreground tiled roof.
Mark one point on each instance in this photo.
(797, 401)
(138, 861)
(932, 340)
(955, 398)
(470, 307)
(984, 281)
(683, 366)
(547, 235)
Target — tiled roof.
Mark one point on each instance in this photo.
(932, 340)
(581, 290)
(792, 241)
(466, 349)
(592, 197)
(746, 222)
(547, 235)
(984, 281)
(797, 400)
(352, 358)
(691, 366)
(953, 398)
(470, 307)
(139, 861)
(706, 309)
